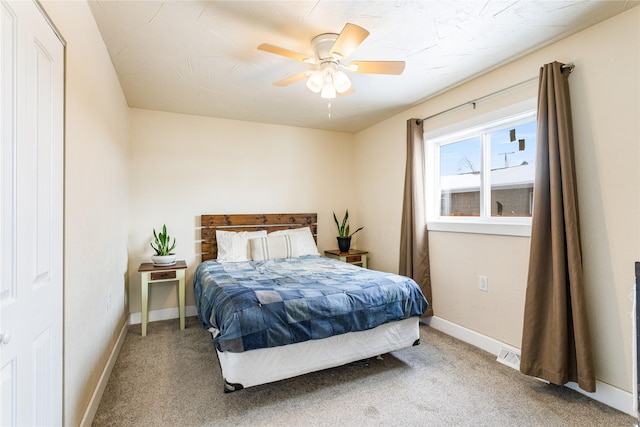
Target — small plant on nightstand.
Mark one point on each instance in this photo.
(344, 237)
(163, 246)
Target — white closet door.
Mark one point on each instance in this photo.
(31, 192)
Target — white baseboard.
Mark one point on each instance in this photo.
(92, 408)
(605, 393)
(162, 314)
(474, 338)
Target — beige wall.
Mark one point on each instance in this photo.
(96, 205)
(605, 98)
(183, 166)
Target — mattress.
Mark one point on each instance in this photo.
(263, 304)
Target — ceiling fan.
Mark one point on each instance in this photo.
(328, 77)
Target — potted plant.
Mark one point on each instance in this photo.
(163, 246)
(344, 237)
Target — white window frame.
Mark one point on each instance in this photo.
(485, 223)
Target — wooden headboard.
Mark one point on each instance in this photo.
(250, 222)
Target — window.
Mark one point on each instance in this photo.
(480, 179)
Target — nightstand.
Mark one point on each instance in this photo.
(354, 256)
(151, 273)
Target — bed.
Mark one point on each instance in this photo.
(277, 309)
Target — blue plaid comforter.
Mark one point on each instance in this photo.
(259, 304)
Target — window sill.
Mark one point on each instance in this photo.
(519, 229)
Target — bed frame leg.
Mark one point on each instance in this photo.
(416, 342)
(230, 388)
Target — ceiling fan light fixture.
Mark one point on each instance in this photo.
(328, 91)
(315, 81)
(328, 80)
(341, 81)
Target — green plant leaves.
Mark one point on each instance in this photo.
(343, 228)
(163, 245)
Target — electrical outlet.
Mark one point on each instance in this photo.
(109, 301)
(484, 284)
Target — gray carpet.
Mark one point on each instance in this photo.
(172, 378)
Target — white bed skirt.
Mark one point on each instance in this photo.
(254, 367)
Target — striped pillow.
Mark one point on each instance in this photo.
(271, 247)
(303, 241)
(234, 246)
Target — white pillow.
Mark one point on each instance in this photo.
(302, 239)
(271, 247)
(234, 246)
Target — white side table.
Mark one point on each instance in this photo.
(151, 273)
(354, 256)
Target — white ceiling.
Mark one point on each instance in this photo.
(200, 57)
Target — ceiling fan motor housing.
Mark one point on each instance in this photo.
(322, 45)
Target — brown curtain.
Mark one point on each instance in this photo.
(556, 345)
(414, 245)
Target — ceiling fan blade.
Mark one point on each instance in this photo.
(292, 79)
(349, 39)
(347, 92)
(285, 52)
(377, 67)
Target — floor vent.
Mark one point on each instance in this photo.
(510, 357)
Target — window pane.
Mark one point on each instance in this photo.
(513, 154)
(460, 178)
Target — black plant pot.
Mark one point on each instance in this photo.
(344, 243)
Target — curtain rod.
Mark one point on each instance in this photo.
(570, 66)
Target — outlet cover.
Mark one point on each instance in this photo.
(484, 284)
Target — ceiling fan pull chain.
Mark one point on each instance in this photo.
(329, 109)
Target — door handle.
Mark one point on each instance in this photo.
(4, 338)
